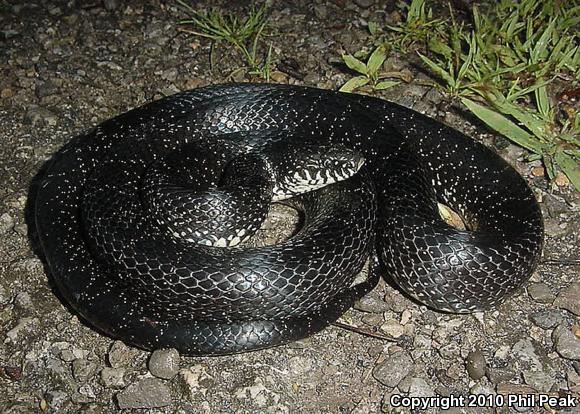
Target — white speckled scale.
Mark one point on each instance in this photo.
(129, 246)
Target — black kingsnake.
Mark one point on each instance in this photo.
(111, 216)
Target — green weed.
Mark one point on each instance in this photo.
(505, 67)
(418, 26)
(369, 72)
(243, 34)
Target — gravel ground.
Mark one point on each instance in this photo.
(65, 67)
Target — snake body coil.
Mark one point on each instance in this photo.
(114, 216)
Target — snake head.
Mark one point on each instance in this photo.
(303, 169)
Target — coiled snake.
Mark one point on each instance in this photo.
(138, 218)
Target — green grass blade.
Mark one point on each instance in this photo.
(550, 166)
(469, 59)
(568, 58)
(504, 126)
(572, 139)
(539, 50)
(438, 70)
(513, 26)
(435, 45)
(416, 10)
(543, 102)
(525, 116)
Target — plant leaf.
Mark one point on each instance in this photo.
(438, 70)
(355, 64)
(469, 59)
(570, 167)
(522, 114)
(542, 101)
(386, 84)
(550, 166)
(540, 48)
(437, 46)
(503, 125)
(376, 60)
(373, 28)
(354, 83)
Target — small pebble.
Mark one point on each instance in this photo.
(393, 369)
(67, 355)
(23, 324)
(37, 115)
(311, 79)
(121, 355)
(113, 377)
(539, 380)
(393, 328)
(87, 391)
(169, 75)
(396, 301)
(320, 11)
(57, 366)
(480, 389)
(554, 228)
(450, 351)
(406, 317)
(164, 363)
(300, 365)
(567, 344)
(46, 88)
(258, 393)
(83, 369)
(21, 229)
(420, 388)
(541, 293)
(555, 205)
(24, 301)
(6, 223)
(372, 303)
(91, 408)
(538, 171)
(569, 298)
(500, 374)
(111, 5)
(279, 77)
(6, 93)
(193, 83)
(475, 364)
(57, 399)
(526, 354)
(195, 379)
(147, 393)
(561, 180)
(4, 296)
(372, 319)
(547, 319)
(364, 4)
